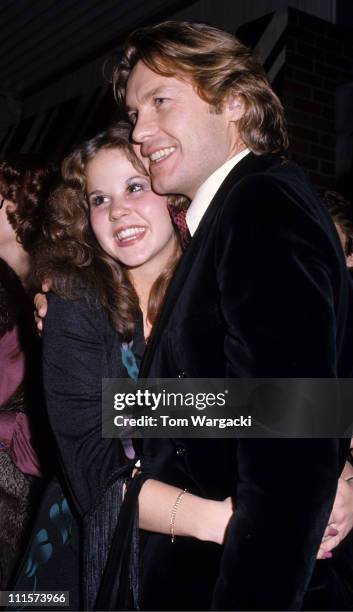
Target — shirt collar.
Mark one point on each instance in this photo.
(208, 189)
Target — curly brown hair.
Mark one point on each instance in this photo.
(218, 64)
(70, 254)
(27, 181)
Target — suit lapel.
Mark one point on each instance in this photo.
(249, 164)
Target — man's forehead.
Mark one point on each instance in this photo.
(144, 83)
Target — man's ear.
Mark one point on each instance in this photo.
(235, 106)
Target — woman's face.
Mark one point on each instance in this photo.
(130, 222)
(7, 233)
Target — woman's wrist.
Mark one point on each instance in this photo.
(195, 517)
(212, 520)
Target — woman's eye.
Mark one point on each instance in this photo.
(135, 187)
(98, 200)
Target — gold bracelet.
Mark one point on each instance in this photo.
(173, 514)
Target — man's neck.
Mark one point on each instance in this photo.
(238, 147)
(208, 189)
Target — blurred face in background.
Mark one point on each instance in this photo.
(347, 245)
(7, 232)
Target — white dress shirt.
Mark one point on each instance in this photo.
(208, 189)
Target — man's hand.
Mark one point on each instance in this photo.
(41, 305)
(341, 519)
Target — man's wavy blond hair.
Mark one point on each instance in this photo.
(218, 65)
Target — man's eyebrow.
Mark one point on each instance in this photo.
(151, 93)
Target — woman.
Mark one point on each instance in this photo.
(110, 251)
(24, 187)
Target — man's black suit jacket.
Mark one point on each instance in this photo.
(261, 291)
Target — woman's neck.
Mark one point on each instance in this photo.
(143, 283)
(144, 277)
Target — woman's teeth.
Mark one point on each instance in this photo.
(130, 232)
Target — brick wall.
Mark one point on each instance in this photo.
(319, 58)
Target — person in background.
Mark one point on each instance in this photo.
(25, 184)
(340, 523)
(341, 211)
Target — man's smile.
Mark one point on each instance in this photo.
(160, 154)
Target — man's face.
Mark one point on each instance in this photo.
(183, 137)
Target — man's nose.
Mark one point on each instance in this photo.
(144, 128)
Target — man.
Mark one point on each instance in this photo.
(260, 292)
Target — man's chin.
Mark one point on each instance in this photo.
(165, 186)
(160, 186)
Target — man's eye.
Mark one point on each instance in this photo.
(159, 101)
(98, 200)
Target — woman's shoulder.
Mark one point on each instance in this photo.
(82, 321)
(82, 302)
(73, 289)
(74, 327)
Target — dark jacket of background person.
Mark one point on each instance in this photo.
(262, 291)
(18, 486)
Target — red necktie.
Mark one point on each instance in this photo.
(179, 220)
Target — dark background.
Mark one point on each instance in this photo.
(56, 57)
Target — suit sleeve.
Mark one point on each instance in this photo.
(74, 362)
(277, 299)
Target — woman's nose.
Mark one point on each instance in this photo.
(119, 207)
